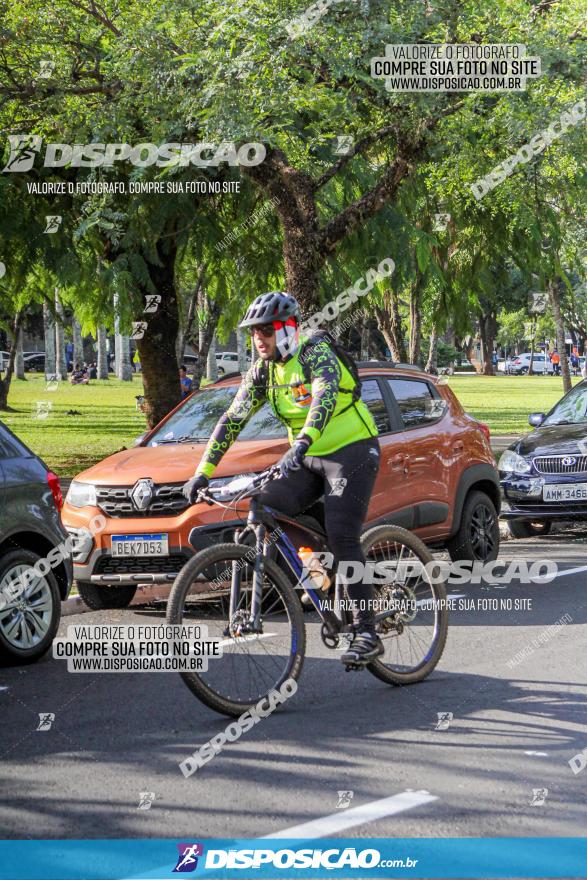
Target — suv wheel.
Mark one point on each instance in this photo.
(29, 623)
(522, 528)
(478, 534)
(102, 598)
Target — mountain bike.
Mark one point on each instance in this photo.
(245, 594)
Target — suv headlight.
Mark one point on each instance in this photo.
(81, 494)
(512, 463)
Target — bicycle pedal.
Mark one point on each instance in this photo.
(354, 666)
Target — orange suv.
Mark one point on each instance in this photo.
(437, 477)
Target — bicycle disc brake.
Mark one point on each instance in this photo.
(240, 625)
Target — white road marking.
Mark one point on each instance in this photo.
(538, 754)
(567, 571)
(338, 822)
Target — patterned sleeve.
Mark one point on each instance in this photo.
(249, 398)
(324, 370)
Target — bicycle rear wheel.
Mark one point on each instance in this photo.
(414, 636)
(251, 666)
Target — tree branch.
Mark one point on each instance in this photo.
(363, 208)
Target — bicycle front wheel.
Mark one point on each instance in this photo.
(250, 666)
(415, 633)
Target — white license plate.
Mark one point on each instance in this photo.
(140, 545)
(565, 492)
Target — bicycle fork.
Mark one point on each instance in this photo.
(253, 623)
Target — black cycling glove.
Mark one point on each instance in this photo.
(292, 460)
(193, 486)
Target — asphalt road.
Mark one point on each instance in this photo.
(514, 730)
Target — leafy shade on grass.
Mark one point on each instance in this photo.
(505, 402)
(109, 419)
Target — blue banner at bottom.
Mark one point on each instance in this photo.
(217, 859)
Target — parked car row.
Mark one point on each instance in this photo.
(541, 364)
(33, 360)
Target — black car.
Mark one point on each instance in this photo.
(30, 532)
(544, 474)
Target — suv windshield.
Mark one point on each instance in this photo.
(571, 410)
(198, 416)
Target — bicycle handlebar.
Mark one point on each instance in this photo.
(208, 495)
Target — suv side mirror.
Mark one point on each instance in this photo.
(536, 419)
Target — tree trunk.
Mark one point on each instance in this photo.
(487, 331)
(432, 362)
(555, 301)
(5, 382)
(532, 346)
(241, 349)
(416, 322)
(78, 345)
(121, 347)
(157, 347)
(49, 333)
(211, 365)
(102, 365)
(123, 362)
(364, 340)
(208, 315)
(60, 360)
(390, 324)
(19, 360)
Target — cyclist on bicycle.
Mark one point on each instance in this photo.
(334, 448)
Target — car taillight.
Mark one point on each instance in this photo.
(55, 487)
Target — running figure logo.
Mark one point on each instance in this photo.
(539, 795)
(187, 860)
(344, 799)
(46, 719)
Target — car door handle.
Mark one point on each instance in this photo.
(397, 462)
(458, 447)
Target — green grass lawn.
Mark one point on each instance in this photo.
(108, 419)
(505, 402)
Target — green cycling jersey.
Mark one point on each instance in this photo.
(325, 412)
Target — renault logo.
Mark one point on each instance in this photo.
(568, 460)
(141, 494)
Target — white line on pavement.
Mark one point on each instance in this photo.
(371, 812)
(567, 571)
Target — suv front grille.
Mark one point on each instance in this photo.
(141, 564)
(555, 464)
(167, 500)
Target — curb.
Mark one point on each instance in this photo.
(145, 594)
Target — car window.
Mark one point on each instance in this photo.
(197, 418)
(416, 402)
(9, 445)
(571, 410)
(372, 397)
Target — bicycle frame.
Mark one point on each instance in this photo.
(334, 624)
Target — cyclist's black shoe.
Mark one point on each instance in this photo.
(365, 648)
